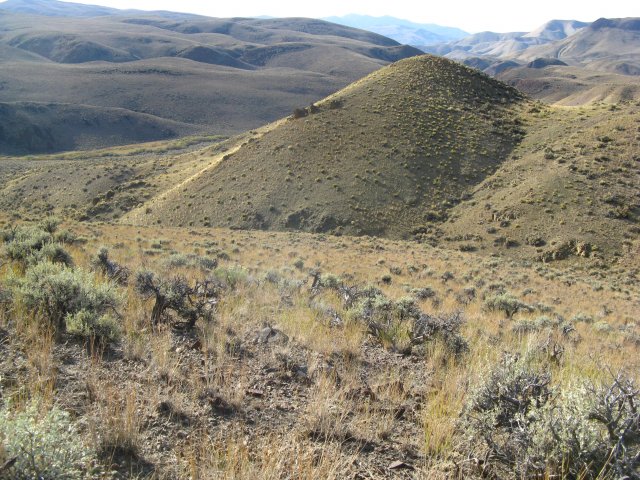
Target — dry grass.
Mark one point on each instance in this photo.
(330, 402)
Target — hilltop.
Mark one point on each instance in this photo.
(385, 156)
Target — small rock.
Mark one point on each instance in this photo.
(254, 392)
(272, 336)
(399, 464)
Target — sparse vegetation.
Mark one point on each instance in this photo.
(473, 315)
(391, 372)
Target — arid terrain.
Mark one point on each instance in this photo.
(425, 273)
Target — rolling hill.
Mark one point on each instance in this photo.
(599, 55)
(610, 45)
(211, 76)
(381, 157)
(425, 149)
(571, 86)
(47, 127)
(56, 8)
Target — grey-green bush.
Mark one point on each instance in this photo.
(42, 445)
(507, 304)
(33, 244)
(68, 297)
(524, 428)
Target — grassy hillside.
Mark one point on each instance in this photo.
(384, 156)
(279, 369)
(424, 149)
(570, 190)
(101, 184)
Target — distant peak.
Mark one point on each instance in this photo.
(632, 24)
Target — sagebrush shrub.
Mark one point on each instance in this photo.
(49, 224)
(508, 304)
(33, 244)
(526, 428)
(188, 302)
(60, 293)
(112, 270)
(42, 445)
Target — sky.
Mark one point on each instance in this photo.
(470, 15)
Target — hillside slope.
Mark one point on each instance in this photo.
(425, 149)
(384, 156)
(46, 127)
(572, 86)
(220, 76)
(570, 190)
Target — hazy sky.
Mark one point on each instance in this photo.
(470, 15)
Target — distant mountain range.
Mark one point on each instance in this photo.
(607, 45)
(506, 45)
(56, 9)
(402, 31)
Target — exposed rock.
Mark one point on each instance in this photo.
(566, 249)
(269, 335)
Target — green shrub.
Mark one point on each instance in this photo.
(43, 446)
(508, 304)
(423, 293)
(401, 325)
(231, 277)
(49, 224)
(65, 236)
(54, 253)
(24, 241)
(112, 270)
(89, 323)
(33, 244)
(582, 317)
(60, 293)
(330, 281)
(177, 260)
